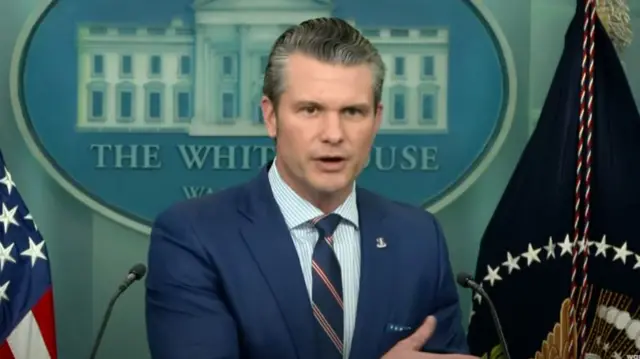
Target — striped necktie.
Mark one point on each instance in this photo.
(327, 290)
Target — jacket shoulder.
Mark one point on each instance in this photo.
(397, 210)
(213, 207)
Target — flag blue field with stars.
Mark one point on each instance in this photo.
(527, 260)
(27, 322)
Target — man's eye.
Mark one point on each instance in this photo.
(310, 110)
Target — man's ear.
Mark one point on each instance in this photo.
(269, 115)
(378, 118)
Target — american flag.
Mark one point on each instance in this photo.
(27, 329)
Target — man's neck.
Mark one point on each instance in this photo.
(328, 202)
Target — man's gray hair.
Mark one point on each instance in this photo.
(330, 40)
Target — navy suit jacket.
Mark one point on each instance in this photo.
(224, 280)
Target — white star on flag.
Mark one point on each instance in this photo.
(7, 181)
(512, 262)
(532, 255)
(7, 217)
(550, 248)
(622, 253)
(493, 275)
(602, 246)
(5, 255)
(3, 291)
(34, 252)
(567, 246)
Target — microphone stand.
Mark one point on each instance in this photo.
(466, 281)
(135, 273)
(105, 320)
(496, 320)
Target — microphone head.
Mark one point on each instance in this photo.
(463, 279)
(138, 270)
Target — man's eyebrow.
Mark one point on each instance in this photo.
(311, 103)
(301, 103)
(360, 106)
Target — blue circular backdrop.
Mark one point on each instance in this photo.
(476, 90)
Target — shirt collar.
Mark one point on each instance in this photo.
(297, 211)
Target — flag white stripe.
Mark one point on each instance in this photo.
(26, 341)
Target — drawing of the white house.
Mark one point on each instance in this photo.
(205, 79)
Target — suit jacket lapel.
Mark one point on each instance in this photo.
(376, 279)
(269, 240)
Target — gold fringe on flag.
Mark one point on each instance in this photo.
(614, 15)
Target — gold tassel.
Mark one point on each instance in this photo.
(614, 15)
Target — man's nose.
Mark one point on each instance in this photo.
(332, 128)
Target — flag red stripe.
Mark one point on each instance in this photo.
(43, 312)
(5, 351)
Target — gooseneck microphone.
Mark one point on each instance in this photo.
(135, 273)
(465, 280)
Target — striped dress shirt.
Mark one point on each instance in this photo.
(298, 214)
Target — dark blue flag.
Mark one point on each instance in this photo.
(578, 178)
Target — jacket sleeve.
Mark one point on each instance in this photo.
(186, 315)
(449, 336)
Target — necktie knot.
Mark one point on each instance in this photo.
(327, 224)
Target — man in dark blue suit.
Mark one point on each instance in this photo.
(299, 262)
